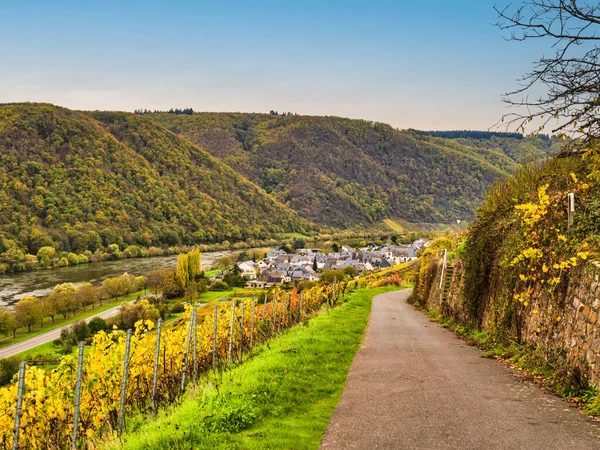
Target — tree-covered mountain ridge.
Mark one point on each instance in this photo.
(82, 182)
(341, 172)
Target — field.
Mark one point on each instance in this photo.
(401, 226)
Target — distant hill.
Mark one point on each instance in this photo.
(342, 172)
(82, 181)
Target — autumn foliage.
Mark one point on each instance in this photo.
(47, 419)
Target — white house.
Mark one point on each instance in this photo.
(248, 269)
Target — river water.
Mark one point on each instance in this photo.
(41, 282)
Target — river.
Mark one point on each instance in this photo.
(41, 282)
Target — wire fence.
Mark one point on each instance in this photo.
(89, 395)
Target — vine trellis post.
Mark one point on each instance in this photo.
(78, 393)
(156, 360)
(571, 197)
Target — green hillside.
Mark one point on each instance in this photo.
(342, 172)
(83, 181)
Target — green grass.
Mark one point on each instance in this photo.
(282, 397)
(295, 235)
(398, 225)
(212, 273)
(23, 335)
(210, 296)
(49, 352)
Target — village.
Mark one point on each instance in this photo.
(279, 267)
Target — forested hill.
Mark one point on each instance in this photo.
(82, 181)
(340, 172)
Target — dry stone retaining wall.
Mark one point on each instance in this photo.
(575, 337)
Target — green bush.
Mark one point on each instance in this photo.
(178, 308)
(97, 324)
(219, 285)
(8, 368)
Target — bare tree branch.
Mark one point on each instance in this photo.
(569, 80)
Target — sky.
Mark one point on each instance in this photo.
(429, 64)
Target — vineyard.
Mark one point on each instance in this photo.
(86, 398)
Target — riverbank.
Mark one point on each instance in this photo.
(41, 282)
(282, 397)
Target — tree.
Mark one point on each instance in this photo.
(8, 368)
(335, 247)
(62, 299)
(45, 256)
(155, 279)
(182, 271)
(130, 313)
(330, 275)
(118, 286)
(315, 265)
(171, 286)
(569, 78)
(28, 312)
(234, 279)
(140, 283)
(298, 244)
(86, 294)
(224, 262)
(194, 265)
(8, 322)
(350, 271)
(48, 308)
(218, 285)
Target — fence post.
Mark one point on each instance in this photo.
(443, 269)
(334, 291)
(286, 311)
(442, 277)
(231, 329)
(195, 352)
(121, 419)
(242, 320)
(19, 410)
(571, 208)
(187, 350)
(272, 320)
(156, 361)
(78, 393)
(264, 308)
(280, 316)
(214, 355)
(252, 321)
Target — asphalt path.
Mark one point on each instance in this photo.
(414, 385)
(43, 338)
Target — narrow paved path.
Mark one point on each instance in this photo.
(40, 339)
(414, 385)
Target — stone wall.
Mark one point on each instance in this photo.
(575, 337)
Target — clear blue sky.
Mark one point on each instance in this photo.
(429, 64)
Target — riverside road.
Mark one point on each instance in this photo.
(413, 385)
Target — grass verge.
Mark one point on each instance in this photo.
(282, 397)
